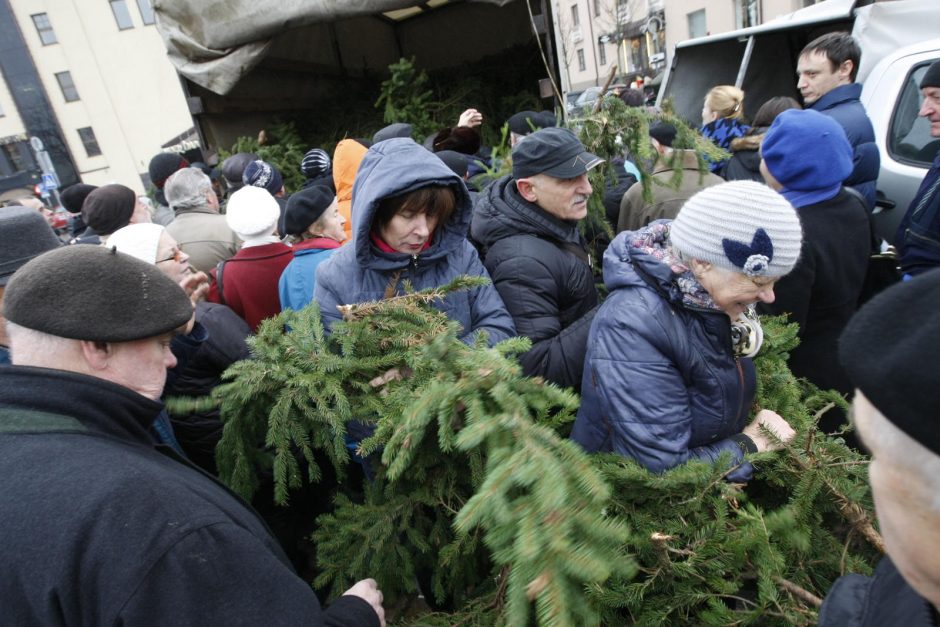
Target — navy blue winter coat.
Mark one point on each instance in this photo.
(661, 382)
(360, 272)
(842, 105)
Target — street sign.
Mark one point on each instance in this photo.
(49, 181)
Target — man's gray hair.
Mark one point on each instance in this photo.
(34, 348)
(186, 189)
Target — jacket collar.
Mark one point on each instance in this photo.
(100, 406)
(686, 161)
(315, 243)
(199, 209)
(839, 95)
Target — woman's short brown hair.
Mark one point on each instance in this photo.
(438, 201)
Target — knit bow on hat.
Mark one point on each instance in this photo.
(753, 259)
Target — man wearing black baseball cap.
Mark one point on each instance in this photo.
(526, 225)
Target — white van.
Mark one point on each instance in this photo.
(899, 39)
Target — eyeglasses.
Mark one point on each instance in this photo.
(177, 256)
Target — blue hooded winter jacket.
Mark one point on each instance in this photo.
(360, 272)
(661, 382)
(842, 105)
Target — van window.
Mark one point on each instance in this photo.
(909, 139)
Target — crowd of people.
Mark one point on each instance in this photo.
(113, 513)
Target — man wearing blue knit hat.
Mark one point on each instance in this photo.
(805, 157)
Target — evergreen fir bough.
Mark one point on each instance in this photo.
(479, 501)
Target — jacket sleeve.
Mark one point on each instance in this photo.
(530, 293)
(643, 397)
(487, 310)
(226, 344)
(325, 294)
(223, 575)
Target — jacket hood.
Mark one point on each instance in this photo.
(644, 258)
(397, 166)
(501, 212)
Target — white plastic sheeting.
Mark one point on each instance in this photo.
(884, 27)
(214, 43)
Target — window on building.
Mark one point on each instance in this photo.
(89, 140)
(575, 18)
(12, 159)
(121, 15)
(69, 92)
(746, 13)
(146, 12)
(602, 54)
(597, 8)
(44, 28)
(697, 24)
(582, 66)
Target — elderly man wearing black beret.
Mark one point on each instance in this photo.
(100, 525)
(889, 351)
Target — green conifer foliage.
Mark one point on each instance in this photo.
(475, 489)
(501, 520)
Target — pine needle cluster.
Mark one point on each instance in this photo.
(480, 504)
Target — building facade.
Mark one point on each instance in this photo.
(638, 36)
(91, 80)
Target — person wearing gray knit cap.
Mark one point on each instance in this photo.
(135, 531)
(24, 234)
(668, 375)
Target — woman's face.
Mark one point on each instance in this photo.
(171, 260)
(330, 224)
(734, 292)
(407, 232)
(707, 114)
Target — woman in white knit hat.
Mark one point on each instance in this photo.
(668, 375)
(216, 341)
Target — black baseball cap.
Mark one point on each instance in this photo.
(553, 151)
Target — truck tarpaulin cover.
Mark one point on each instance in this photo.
(214, 43)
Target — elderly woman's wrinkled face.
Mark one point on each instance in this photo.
(733, 292)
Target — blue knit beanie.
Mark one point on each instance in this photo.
(809, 154)
(264, 175)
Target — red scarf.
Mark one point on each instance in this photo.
(385, 248)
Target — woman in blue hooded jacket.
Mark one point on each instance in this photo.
(668, 376)
(410, 216)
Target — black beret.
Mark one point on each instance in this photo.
(163, 166)
(664, 133)
(932, 77)
(888, 351)
(306, 206)
(25, 234)
(109, 208)
(456, 161)
(73, 196)
(525, 122)
(398, 129)
(121, 298)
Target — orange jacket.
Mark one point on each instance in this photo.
(346, 160)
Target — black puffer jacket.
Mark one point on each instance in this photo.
(744, 164)
(885, 598)
(548, 290)
(199, 433)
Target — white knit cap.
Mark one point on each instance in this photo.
(252, 212)
(743, 226)
(138, 240)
